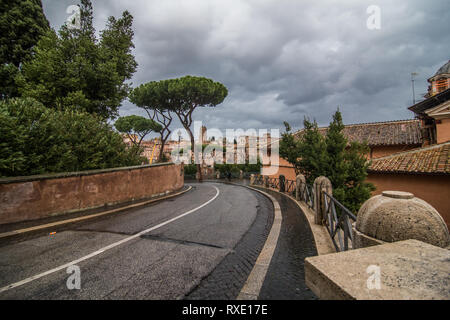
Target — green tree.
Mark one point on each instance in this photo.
(226, 168)
(154, 98)
(345, 164)
(35, 140)
(136, 128)
(355, 190)
(336, 143)
(190, 169)
(306, 153)
(188, 93)
(181, 96)
(290, 148)
(22, 23)
(75, 69)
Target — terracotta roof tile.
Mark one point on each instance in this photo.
(403, 132)
(432, 159)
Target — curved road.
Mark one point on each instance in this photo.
(161, 251)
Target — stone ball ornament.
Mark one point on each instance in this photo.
(396, 216)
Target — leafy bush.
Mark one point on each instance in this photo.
(190, 169)
(35, 140)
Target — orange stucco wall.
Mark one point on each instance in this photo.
(433, 189)
(283, 168)
(443, 131)
(36, 197)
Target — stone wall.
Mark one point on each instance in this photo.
(35, 197)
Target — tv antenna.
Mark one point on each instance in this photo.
(413, 74)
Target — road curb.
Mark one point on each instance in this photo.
(13, 233)
(254, 283)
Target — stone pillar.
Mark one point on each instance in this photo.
(241, 174)
(217, 174)
(321, 184)
(282, 183)
(300, 186)
(396, 216)
(266, 181)
(252, 179)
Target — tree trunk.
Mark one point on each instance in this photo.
(161, 151)
(196, 159)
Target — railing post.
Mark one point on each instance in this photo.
(321, 184)
(252, 179)
(241, 174)
(300, 186)
(266, 181)
(282, 183)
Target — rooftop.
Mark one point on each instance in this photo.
(387, 133)
(431, 102)
(445, 69)
(434, 159)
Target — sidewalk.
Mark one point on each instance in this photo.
(285, 278)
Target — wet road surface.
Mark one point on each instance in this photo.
(285, 278)
(165, 263)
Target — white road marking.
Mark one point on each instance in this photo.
(113, 245)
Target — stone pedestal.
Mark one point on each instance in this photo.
(282, 183)
(300, 186)
(396, 216)
(405, 270)
(321, 184)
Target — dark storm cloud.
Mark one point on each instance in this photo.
(286, 59)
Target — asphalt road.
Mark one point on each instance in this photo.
(144, 260)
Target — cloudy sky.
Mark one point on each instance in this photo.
(286, 59)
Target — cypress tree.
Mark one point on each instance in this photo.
(346, 166)
(344, 163)
(313, 152)
(336, 168)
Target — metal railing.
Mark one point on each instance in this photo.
(274, 183)
(290, 186)
(337, 220)
(307, 194)
(259, 180)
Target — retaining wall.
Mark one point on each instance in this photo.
(35, 197)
